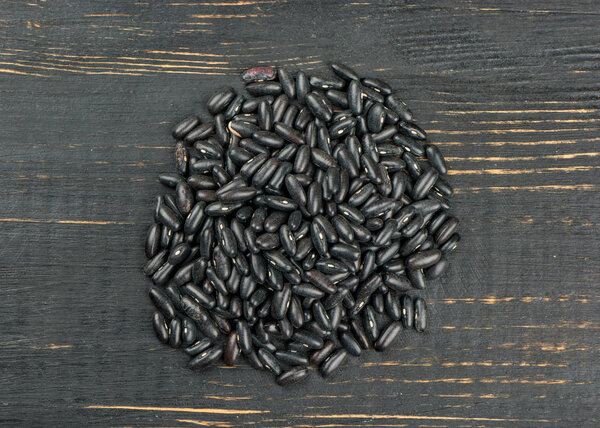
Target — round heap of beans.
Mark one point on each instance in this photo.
(302, 217)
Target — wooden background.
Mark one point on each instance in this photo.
(510, 90)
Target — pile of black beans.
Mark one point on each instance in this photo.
(303, 215)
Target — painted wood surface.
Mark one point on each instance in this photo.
(509, 90)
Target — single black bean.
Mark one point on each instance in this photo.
(450, 244)
(420, 322)
(333, 362)
(350, 344)
(206, 358)
(446, 230)
(387, 336)
(293, 375)
(175, 333)
(160, 327)
(416, 278)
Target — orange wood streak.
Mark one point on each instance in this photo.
(180, 409)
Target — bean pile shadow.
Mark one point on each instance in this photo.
(304, 215)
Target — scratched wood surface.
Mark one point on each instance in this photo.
(510, 91)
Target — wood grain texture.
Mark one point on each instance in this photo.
(509, 90)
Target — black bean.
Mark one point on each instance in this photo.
(311, 340)
(160, 327)
(450, 244)
(355, 97)
(175, 333)
(333, 362)
(179, 253)
(318, 106)
(170, 180)
(184, 127)
(416, 278)
(424, 183)
(446, 230)
(292, 358)
(350, 344)
(387, 336)
(420, 322)
(378, 303)
(437, 270)
(378, 85)
(344, 71)
(206, 358)
(412, 130)
(163, 274)
(423, 259)
(292, 375)
(375, 118)
(320, 82)
(392, 306)
(436, 159)
(258, 89)
(153, 240)
(288, 133)
(269, 361)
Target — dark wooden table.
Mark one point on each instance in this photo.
(509, 90)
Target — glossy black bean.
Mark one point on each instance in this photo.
(344, 71)
(189, 332)
(244, 336)
(219, 101)
(206, 358)
(392, 306)
(198, 347)
(175, 333)
(160, 327)
(163, 274)
(387, 336)
(318, 106)
(376, 118)
(397, 281)
(407, 311)
(257, 89)
(311, 340)
(437, 270)
(293, 375)
(153, 240)
(333, 362)
(355, 102)
(350, 344)
(206, 300)
(179, 253)
(292, 358)
(231, 349)
(289, 117)
(377, 302)
(416, 278)
(446, 230)
(288, 133)
(170, 180)
(169, 218)
(269, 361)
(274, 278)
(378, 85)
(424, 183)
(321, 316)
(436, 159)
(450, 244)
(420, 322)
(423, 259)
(184, 127)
